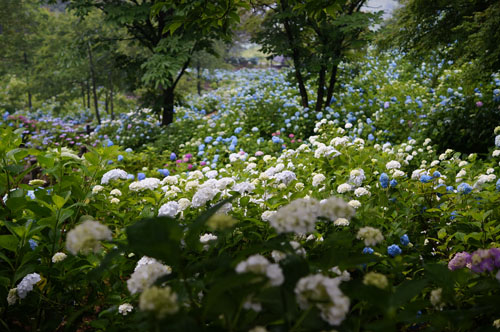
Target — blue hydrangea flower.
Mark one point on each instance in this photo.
(453, 215)
(449, 188)
(275, 139)
(394, 250)
(393, 183)
(130, 176)
(436, 174)
(110, 143)
(425, 178)
(404, 239)
(110, 162)
(464, 188)
(141, 176)
(498, 185)
(368, 250)
(173, 156)
(384, 180)
(164, 172)
(120, 157)
(128, 150)
(33, 244)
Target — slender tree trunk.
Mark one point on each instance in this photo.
(111, 99)
(26, 64)
(168, 106)
(321, 88)
(198, 77)
(88, 93)
(331, 84)
(83, 94)
(106, 101)
(111, 104)
(295, 56)
(94, 88)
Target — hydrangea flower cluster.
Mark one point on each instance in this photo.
(323, 293)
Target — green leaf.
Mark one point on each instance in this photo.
(58, 201)
(9, 242)
(156, 237)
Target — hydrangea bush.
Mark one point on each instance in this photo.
(268, 217)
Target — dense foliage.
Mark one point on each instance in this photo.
(234, 218)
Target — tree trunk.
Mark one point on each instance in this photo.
(331, 85)
(295, 56)
(198, 77)
(30, 106)
(94, 88)
(168, 106)
(111, 102)
(321, 88)
(106, 101)
(88, 93)
(83, 94)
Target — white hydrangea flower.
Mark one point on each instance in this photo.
(285, 177)
(26, 285)
(258, 264)
(169, 209)
(59, 257)
(114, 175)
(244, 187)
(356, 177)
(299, 216)
(114, 200)
(203, 195)
(343, 188)
(323, 293)
(267, 215)
(147, 271)
(115, 192)
(12, 297)
(361, 191)
(125, 308)
(318, 179)
(393, 164)
(86, 237)
(146, 184)
(97, 189)
(171, 180)
(161, 301)
(184, 203)
(354, 203)
(371, 236)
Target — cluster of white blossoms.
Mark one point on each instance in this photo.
(393, 164)
(258, 264)
(301, 215)
(318, 179)
(23, 288)
(361, 191)
(160, 301)
(343, 188)
(206, 238)
(59, 257)
(375, 279)
(285, 177)
(323, 293)
(356, 177)
(146, 184)
(114, 175)
(203, 195)
(86, 237)
(97, 189)
(125, 308)
(371, 236)
(169, 209)
(146, 272)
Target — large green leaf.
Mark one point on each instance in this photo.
(156, 237)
